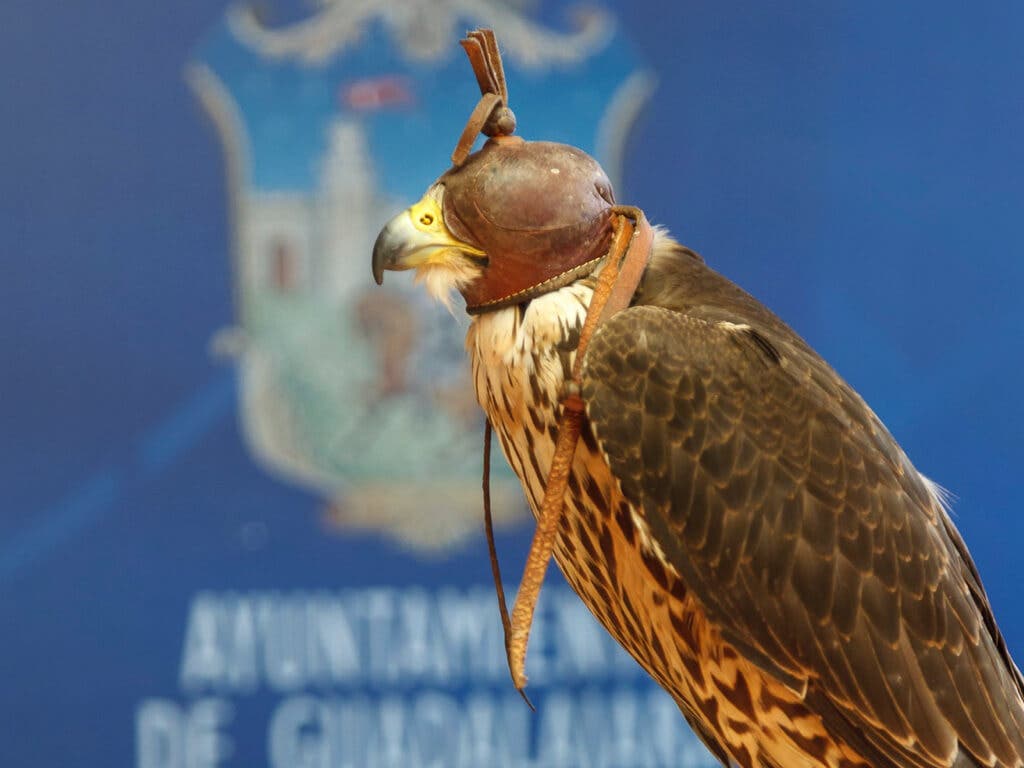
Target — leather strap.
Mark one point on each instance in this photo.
(618, 281)
(480, 114)
(491, 116)
(630, 271)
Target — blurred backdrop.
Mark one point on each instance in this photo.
(240, 522)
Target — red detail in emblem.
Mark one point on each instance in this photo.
(376, 93)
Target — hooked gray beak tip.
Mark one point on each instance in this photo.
(384, 250)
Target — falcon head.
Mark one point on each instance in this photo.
(516, 219)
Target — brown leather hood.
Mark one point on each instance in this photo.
(540, 211)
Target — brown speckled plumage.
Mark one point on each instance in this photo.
(750, 532)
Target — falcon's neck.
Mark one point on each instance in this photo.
(521, 356)
(538, 338)
(531, 337)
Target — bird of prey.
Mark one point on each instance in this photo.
(736, 515)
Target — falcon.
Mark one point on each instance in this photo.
(735, 514)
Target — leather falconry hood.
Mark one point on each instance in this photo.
(540, 211)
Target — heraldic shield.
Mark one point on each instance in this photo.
(330, 124)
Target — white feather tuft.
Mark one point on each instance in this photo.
(442, 281)
(943, 496)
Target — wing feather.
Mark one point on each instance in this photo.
(804, 531)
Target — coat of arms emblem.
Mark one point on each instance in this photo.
(329, 124)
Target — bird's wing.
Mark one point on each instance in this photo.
(808, 537)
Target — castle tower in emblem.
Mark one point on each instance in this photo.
(346, 209)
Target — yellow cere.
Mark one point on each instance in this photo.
(427, 219)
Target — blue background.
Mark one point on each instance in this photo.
(858, 167)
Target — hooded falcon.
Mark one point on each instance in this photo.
(736, 516)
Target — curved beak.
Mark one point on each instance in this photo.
(417, 236)
(393, 246)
